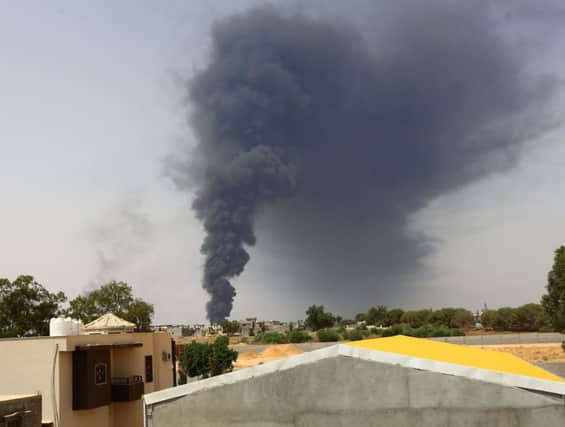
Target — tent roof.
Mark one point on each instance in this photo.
(473, 357)
(109, 321)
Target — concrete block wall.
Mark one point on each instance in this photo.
(344, 391)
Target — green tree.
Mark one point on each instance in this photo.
(221, 356)
(26, 307)
(554, 301)
(376, 315)
(416, 318)
(361, 317)
(393, 317)
(529, 317)
(113, 297)
(203, 360)
(317, 318)
(452, 317)
(194, 361)
(488, 318)
(230, 327)
(503, 319)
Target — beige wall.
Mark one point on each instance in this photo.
(26, 366)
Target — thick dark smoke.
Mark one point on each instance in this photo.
(338, 132)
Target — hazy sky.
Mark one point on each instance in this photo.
(93, 102)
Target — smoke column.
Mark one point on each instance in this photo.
(340, 131)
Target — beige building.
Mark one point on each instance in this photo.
(88, 380)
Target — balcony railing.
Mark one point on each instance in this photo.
(126, 389)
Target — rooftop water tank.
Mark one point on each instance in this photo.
(58, 327)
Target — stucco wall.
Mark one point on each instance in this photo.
(29, 404)
(26, 367)
(343, 391)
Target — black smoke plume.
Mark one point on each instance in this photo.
(343, 130)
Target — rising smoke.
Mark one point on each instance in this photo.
(339, 131)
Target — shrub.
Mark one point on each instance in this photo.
(182, 378)
(327, 335)
(355, 335)
(270, 338)
(298, 336)
(203, 360)
(546, 328)
(424, 331)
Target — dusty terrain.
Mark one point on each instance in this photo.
(252, 358)
(532, 352)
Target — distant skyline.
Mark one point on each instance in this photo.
(93, 104)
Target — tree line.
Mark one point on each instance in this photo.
(547, 316)
(26, 306)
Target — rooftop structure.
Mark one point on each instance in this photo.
(88, 380)
(399, 381)
(109, 323)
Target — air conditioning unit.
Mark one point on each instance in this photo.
(166, 356)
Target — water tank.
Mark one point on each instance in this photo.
(77, 327)
(58, 327)
(69, 326)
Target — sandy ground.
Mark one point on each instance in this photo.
(252, 358)
(532, 352)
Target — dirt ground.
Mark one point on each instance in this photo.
(532, 352)
(252, 358)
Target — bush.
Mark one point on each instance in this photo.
(270, 338)
(298, 336)
(203, 360)
(182, 378)
(355, 335)
(546, 328)
(424, 331)
(327, 335)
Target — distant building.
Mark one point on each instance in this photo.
(247, 325)
(88, 380)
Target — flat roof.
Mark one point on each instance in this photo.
(457, 354)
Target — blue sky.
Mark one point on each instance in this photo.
(92, 104)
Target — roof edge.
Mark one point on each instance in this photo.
(485, 375)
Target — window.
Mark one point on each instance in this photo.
(149, 369)
(100, 374)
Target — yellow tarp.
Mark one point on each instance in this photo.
(456, 354)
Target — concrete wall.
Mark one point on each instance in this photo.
(27, 365)
(500, 339)
(557, 368)
(11, 405)
(344, 391)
